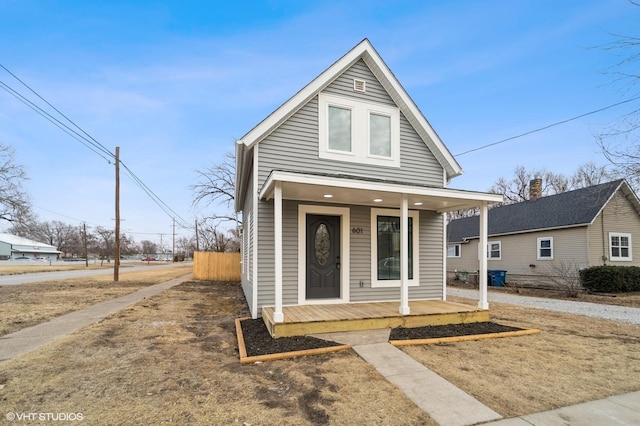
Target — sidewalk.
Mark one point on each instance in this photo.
(450, 406)
(28, 339)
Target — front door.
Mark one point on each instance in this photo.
(323, 256)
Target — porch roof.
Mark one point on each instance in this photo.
(342, 189)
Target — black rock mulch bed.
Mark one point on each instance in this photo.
(449, 330)
(258, 341)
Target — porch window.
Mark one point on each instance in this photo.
(545, 248)
(356, 131)
(494, 250)
(386, 265)
(453, 250)
(620, 246)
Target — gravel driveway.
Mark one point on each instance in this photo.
(595, 310)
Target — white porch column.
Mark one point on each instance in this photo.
(482, 272)
(404, 256)
(278, 316)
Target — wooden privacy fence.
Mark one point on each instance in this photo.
(212, 266)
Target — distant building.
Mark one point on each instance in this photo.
(12, 247)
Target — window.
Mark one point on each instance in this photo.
(494, 250)
(356, 131)
(620, 246)
(545, 248)
(386, 263)
(339, 129)
(453, 250)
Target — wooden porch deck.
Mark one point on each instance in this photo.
(312, 319)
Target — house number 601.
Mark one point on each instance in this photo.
(356, 230)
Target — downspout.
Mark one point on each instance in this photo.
(604, 240)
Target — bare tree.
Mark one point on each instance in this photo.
(14, 203)
(211, 238)
(149, 247)
(620, 140)
(105, 242)
(216, 184)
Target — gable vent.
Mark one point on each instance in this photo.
(359, 85)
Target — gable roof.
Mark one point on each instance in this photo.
(365, 51)
(568, 209)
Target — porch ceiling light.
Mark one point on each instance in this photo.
(328, 195)
(377, 200)
(417, 203)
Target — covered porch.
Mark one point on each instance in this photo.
(313, 319)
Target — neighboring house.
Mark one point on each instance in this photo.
(12, 247)
(335, 183)
(593, 226)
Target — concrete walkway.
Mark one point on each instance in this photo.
(28, 339)
(444, 402)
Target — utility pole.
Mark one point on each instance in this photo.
(84, 244)
(173, 249)
(116, 264)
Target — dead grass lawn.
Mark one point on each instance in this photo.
(17, 269)
(26, 305)
(574, 359)
(172, 359)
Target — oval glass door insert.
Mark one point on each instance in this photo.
(322, 244)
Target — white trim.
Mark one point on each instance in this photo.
(345, 219)
(483, 302)
(254, 271)
(278, 315)
(539, 248)
(404, 256)
(415, 215)
(360, 131)
(444, 257)
(488, 248)
(620, 258)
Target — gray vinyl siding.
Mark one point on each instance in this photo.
(248, 276)
(618, 216)
(294, 145)
(431, 257)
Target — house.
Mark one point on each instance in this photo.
(343, 192)
(586, 227)
(12, 247)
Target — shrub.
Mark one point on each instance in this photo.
(611, 279)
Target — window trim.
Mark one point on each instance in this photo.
(539, 248)
(620, 258)
(489, 250)
(360, 131)
(413, 214)
(457, 248)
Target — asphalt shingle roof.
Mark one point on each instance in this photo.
(573, 208)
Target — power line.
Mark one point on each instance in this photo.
(547, 127)
(87, 140)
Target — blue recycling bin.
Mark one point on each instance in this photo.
(497, 277)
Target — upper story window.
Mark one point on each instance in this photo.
(360, 132)
(545, 248)
(620, 246)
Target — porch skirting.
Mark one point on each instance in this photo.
(311, 319)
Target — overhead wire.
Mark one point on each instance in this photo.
(88, 141)
(547, 127)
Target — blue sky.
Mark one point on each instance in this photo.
(175, 83)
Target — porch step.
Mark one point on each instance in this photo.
(312, 319)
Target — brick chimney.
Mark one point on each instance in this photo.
(535, 188)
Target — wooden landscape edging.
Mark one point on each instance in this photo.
(244, 359)
(468, 338)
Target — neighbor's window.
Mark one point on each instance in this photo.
(620, 246)
(339, 128)
(386, 263)
(545, 248)
(453, 250)
(494, 250)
